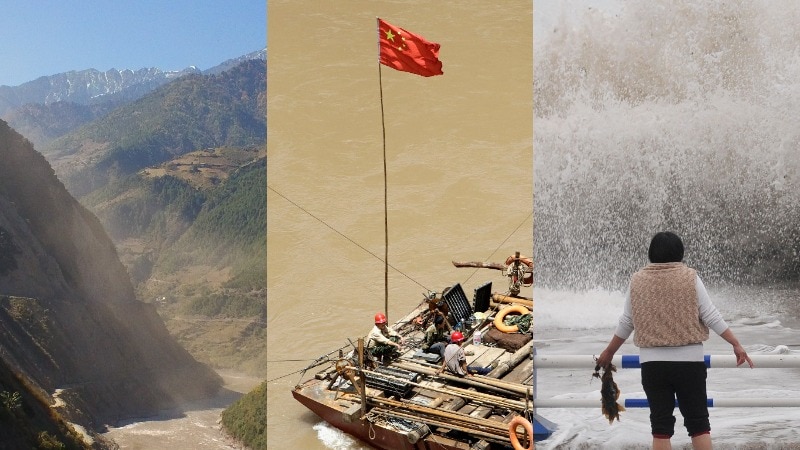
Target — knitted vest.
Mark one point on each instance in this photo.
(664, 306)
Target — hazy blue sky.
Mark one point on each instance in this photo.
(43, 37)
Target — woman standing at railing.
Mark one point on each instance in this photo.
(670, 310)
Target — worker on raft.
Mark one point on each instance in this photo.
(455, 360)
(436, 338)
(437, 307)
(383, 342)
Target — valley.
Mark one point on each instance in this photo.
(134, 247)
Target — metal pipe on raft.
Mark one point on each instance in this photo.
(758, 402)
(632, 361)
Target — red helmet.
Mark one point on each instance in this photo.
(380, 318)
(456, 337)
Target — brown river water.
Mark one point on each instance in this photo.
(194, 426)
(459, 163)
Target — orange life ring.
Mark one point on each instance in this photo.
(528, 261)
(512, 432)
(498, 319)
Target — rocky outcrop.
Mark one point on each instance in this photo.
(69, 318)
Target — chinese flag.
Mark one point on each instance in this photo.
(408, 52)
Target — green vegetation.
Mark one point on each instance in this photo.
(235, 214)
(11, 401)
(246, 419)
(46, 441)
(249, 274)
(139, 206)
(31, 314)
(190, 113)
(28, 421)
(231, 226)
(229, 233)
(227, 304)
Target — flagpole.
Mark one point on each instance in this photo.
(385, 190)
(411, 53)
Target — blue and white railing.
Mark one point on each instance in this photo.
(761, 402)
(632, 362)
(586, 362)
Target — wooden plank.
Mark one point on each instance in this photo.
(436, 441)
(483, 355)
(476, 381)
(520, 374)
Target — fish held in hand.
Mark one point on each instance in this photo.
(609, 392)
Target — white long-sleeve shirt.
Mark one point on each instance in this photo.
(376, 336)
(709, 314)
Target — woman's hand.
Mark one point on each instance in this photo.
(738, 350)
(608, 354)
(605, 358)
(741, 356)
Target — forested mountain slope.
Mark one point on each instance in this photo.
(192, 113)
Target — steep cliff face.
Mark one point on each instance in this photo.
(69, 318)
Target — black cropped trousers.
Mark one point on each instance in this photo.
(664, 382)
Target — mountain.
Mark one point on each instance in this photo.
(42, 123)
(70, 323)
(86, 86)
(51, 106)
(192, 234)
(171, 178)
(222, 317)
(193, 112)
(260, 55)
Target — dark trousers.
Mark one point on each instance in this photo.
(666, 381)
(479, 370)
(438, 347)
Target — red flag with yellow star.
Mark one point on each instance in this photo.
(407, 51)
